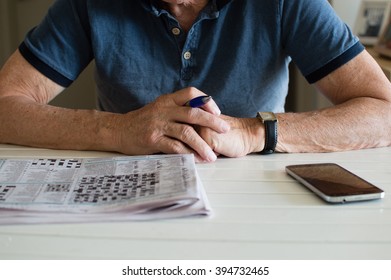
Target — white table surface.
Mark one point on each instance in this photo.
(258, 213)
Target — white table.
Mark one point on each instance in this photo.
(259, 213)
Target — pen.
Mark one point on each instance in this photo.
(198, 101)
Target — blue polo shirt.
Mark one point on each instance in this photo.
(238, 51)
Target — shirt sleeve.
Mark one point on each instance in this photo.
(59, 47)
(318, 41)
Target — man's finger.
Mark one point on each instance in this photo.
(197, 116)
(186, 134)
(170, 145)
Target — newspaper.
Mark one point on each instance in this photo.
(100, 189)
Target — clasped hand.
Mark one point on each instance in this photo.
(167, 126)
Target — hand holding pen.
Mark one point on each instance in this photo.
(169, 124)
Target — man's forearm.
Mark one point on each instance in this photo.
(164, 125)
(356, 124)
(27, 122)
(362, 118)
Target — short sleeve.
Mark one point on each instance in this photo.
(316, 38)
(60, 46)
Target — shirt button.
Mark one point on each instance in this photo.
(176, 31)
(187, 55)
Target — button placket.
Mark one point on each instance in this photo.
(187, 55)
(176, 31)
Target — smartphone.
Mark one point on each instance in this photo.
(334, 183)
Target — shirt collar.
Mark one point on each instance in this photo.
(154, 7)
(221, 3)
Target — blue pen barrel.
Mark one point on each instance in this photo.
(198, 101)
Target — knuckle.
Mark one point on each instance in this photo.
(186, 133)
(193, 114)
(204, 132)
(209, 119)
(151, 137)
(209, 137)
(176, 147)
(161, 97)
(213, 143)
(148, 141)
(193, 90)
(161, 100)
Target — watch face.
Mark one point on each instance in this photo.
(268, 116)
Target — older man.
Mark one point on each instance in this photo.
(152, 56)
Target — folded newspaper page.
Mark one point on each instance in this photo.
(100, 189)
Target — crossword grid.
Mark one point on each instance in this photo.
(98, 189)
(4, 190)
(64, 163)
(57, 188)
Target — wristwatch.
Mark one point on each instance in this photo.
(269, 120)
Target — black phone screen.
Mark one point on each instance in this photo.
(332, 179)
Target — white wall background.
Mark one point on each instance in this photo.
(347, 10)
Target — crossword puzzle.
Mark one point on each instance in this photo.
(57, 187)
(64, 163)
(98, 189)
(4, 190)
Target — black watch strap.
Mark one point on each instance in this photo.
(269, 120)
